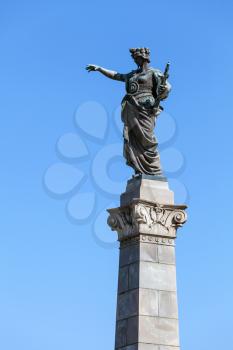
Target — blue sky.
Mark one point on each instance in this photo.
(58, 279)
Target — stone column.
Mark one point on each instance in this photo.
(146, 222)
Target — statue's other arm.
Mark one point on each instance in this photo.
(161, 85)
(164, 90)
(108, 73)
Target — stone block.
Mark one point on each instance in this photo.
(123, 279)
(162, 347)
(129, 254)
(158, 331)
(154, 191)
(132, 330)
(148, 302)
(127, 304)
(168, 304)
(157, 276)
(134, 276)
(166, 254)
(130, 347)
(142, 346)
(149, 252)
(121, 334)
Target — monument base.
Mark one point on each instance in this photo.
(147, 315)
(146, 223)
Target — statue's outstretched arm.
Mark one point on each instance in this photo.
(108, 73)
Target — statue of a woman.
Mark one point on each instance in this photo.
(145, 88)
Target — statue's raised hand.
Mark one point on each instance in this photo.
(92, 68)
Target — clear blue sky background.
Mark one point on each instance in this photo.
(57, 284)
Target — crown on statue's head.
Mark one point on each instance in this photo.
(143, 52)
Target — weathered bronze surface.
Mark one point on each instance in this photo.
(146, 87)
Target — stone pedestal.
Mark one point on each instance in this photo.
(147, 316)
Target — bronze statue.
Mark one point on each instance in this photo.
(145, 88)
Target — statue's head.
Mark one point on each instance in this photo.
(140, 55)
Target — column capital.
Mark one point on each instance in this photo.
(144, 217)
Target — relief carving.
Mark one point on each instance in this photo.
(142, 217)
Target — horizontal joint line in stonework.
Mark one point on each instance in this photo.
(149, 261)
(154, 289)
(138, 315)
(171, 346)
